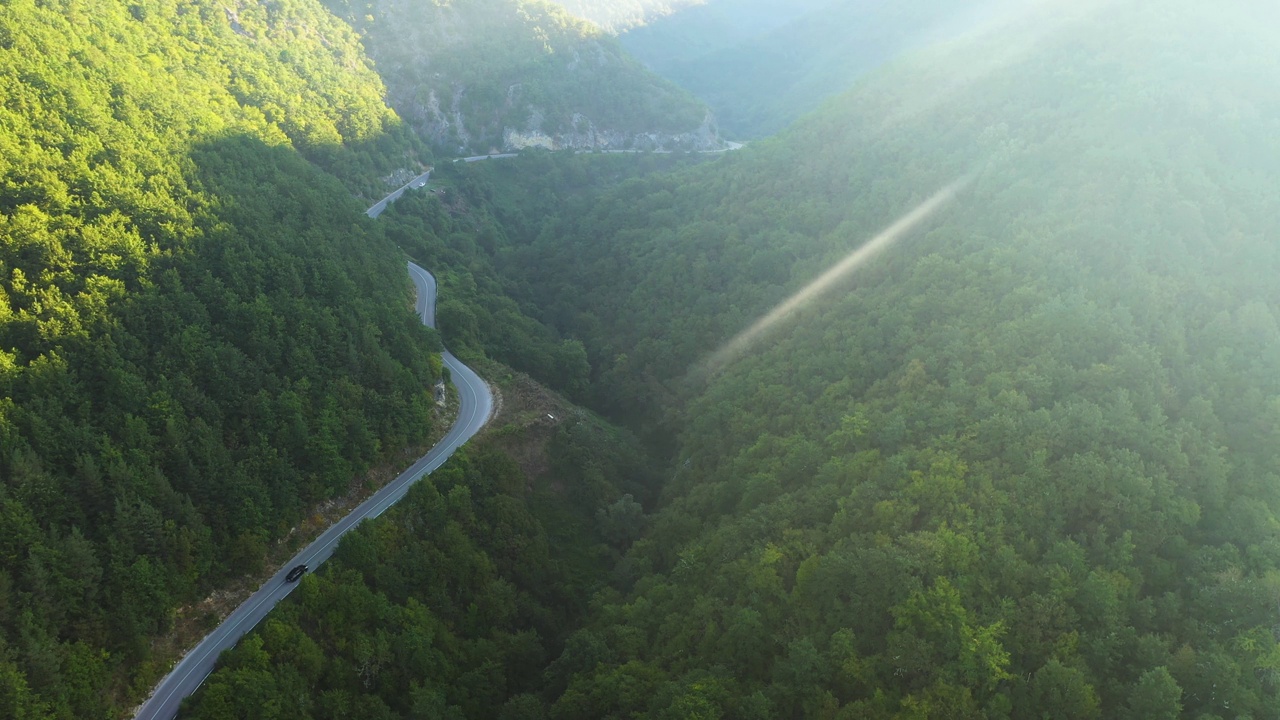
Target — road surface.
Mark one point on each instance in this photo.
(493, 156)
(729, 145)
(382, 204)
(475, 406)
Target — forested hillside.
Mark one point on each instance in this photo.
(1024, 463)
(458, 227)
(761, 65)
(450, 605)
(200, 335)
(476, 76)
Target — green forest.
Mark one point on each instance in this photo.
(199, 339)
(450, 605)
(202, 338)
(1021, 463)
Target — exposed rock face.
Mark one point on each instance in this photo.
(442, 129)
(477, 76)
(618, 15)
(584, 135)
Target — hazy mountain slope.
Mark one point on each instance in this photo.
(673, 40)
(616, 15)
(200, 337)
(1024, 464)
(762, 65)
(481, 75)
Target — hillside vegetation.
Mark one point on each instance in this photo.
(1021, 464)
(449, 605)
(761, 65)
(480, 75)
(1024, 464)
(200, 336)
(456, 229)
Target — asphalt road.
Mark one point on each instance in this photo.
(729, 145)
(382, 204)
(475, 406)
(478, 158)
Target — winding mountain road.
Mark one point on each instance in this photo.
(475, 406)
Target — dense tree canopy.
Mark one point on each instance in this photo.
(451, 604)
(200, 335)
(1024, 464)
(460, 229)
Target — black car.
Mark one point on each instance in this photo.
(295, 573)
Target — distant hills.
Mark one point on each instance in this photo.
(490, 75)
(761, 65)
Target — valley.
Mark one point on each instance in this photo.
(953, 393)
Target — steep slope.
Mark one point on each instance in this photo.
(761, 65)
(1022, 465)
(481, 75)
(449, 605)
(199, 339)
(678, 38)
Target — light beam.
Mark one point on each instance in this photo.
(743, 341)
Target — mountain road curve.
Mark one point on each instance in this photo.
(475, 406)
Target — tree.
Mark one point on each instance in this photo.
(1059, 692)
(1156, 695)
(621, 523)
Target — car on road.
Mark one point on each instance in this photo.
(297, 572)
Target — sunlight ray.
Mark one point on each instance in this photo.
(743, 341)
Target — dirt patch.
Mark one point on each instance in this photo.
(495, 415)
(525, 417)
